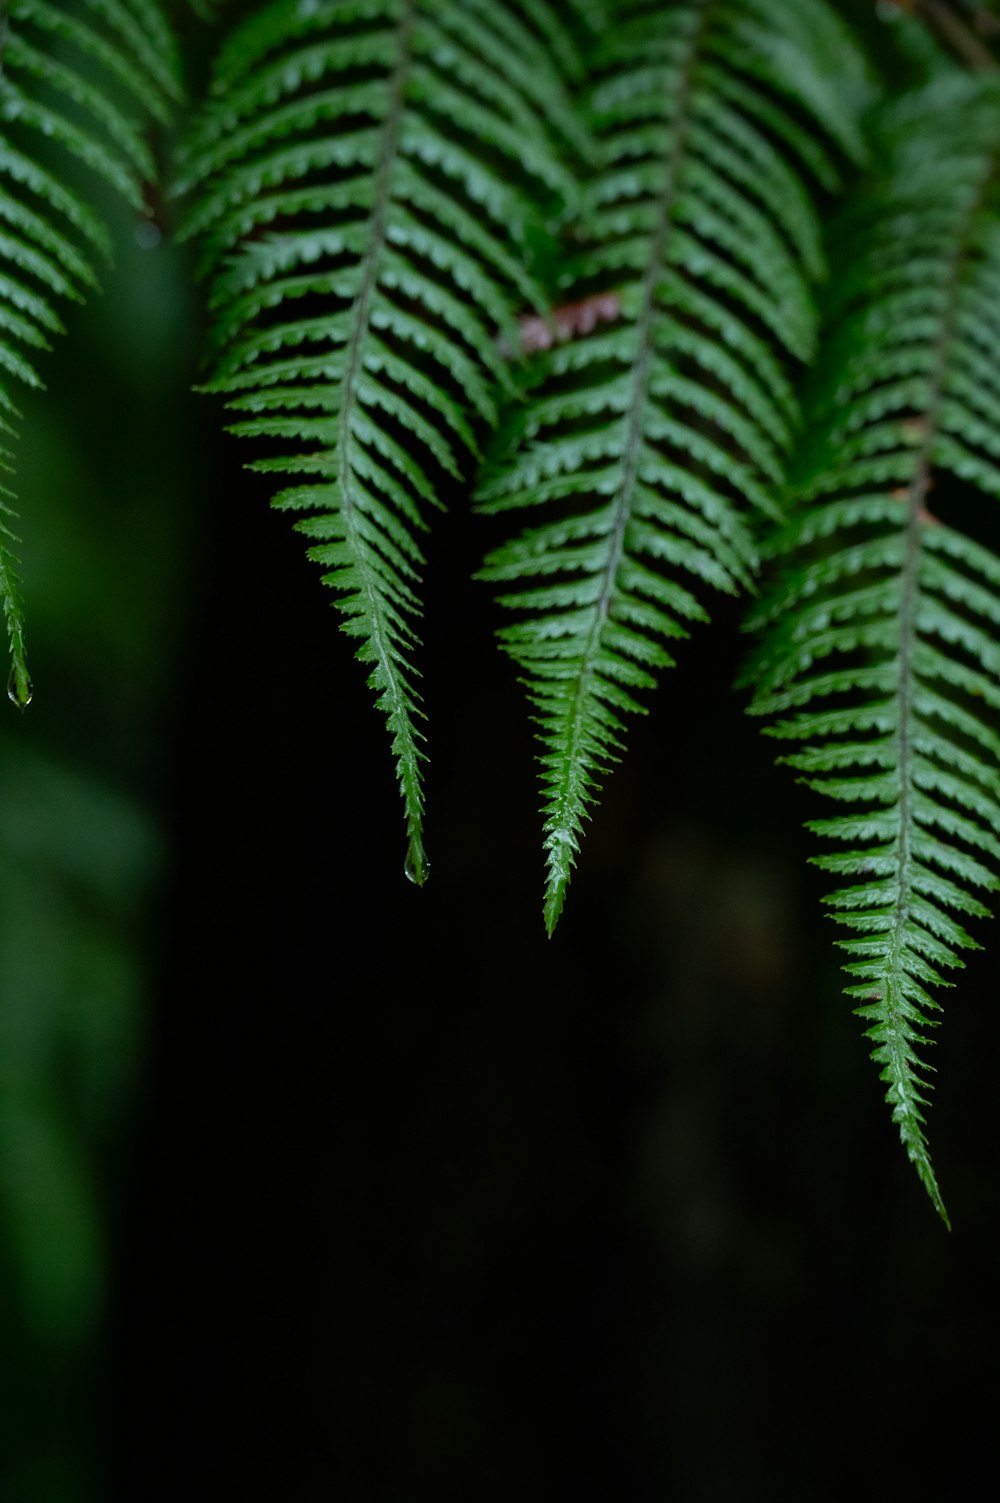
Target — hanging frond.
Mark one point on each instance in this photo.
(82, 79)
(650, 442)
(364, 187)
(880, 652)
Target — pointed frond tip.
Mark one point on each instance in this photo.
(894, 1031)
(877, 652)
(19, 686)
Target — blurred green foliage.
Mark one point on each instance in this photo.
(105, 481)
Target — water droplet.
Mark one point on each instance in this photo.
(147, 234)
(417, 866)
(19, 688)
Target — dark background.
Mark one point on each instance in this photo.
(321, 1186)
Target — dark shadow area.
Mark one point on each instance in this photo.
(428, 1207)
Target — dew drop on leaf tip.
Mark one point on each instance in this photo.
(19, 689)
(416, 866)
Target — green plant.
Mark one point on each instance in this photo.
(565, 259)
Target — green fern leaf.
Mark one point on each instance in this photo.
(879, 654)
(364, 187)
(84, 79)
(650, 443)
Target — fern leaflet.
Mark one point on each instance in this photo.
(647, 442)
(367, 177)
(879, 653)
(85, 77)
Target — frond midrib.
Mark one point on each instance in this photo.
(578, 717)
(400, 714)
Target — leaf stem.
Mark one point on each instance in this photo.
(942, 19)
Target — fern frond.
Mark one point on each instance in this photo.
(367, 177)
(879, 655)
(86, 79)
(650, 443)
